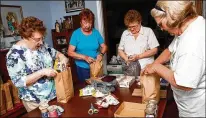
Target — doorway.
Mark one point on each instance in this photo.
(113, 13)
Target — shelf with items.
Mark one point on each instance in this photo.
(64, 31)
(61, 40)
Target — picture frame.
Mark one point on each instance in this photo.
(11, 17)
(74, 5)
(68, 22)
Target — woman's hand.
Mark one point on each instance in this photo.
(32, 78)
(63, 60)
(133, 57)
(149, 69)
(127, 61)
(89, 59)
(49, 72)
(99, 57)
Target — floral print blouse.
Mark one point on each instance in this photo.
(22, 62)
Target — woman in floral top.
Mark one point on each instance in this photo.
(30, 62)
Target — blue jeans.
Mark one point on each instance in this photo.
(83, 73)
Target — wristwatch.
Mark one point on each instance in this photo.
(102, 54)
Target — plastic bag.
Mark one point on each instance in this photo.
(131, 69)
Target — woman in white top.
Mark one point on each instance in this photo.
(186, 54)
(137, 42)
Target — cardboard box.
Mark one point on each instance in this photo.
(114, 69)
(130, 109)
(138, 92)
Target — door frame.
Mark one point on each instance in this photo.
(199, 6)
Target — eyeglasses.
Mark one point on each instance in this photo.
(37, 39)
(134, 26)
(160, 23)
(84, 22)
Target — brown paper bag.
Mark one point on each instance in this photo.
(2, 98)
(96, 69)
(9, 103)
(138, 92)
(64, 86)
(150, 85)
(14, 92)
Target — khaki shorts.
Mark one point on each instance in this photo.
(30, 105)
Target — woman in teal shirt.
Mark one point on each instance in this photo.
(86, 45)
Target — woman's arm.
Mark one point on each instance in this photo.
(148, 53)
(168, 75)
(102, 51)
(72, 53)
(164, 57)
(165, 73)
(32, 78)
(152, 44)
(123, 55)
(103, 48)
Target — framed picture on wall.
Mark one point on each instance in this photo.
(11, 17)
(74, 5)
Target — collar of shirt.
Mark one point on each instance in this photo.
(140, 32)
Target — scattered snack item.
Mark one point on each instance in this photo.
(106, 101)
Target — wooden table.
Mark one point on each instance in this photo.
(78, 106)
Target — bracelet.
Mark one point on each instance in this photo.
(102, 54)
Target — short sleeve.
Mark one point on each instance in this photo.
(152, 40)
(189, 70)
(16, 67)
(73, 40)
(99, 38)
(122, 42)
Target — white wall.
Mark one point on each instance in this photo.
(49, 12)
(58, 10)
(39, 9)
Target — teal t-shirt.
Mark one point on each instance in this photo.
(86, 44)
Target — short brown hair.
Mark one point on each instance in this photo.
(87, 14)
(132, 16)
(30, 25)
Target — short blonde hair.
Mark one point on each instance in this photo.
(175, 12)
(132, 16)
